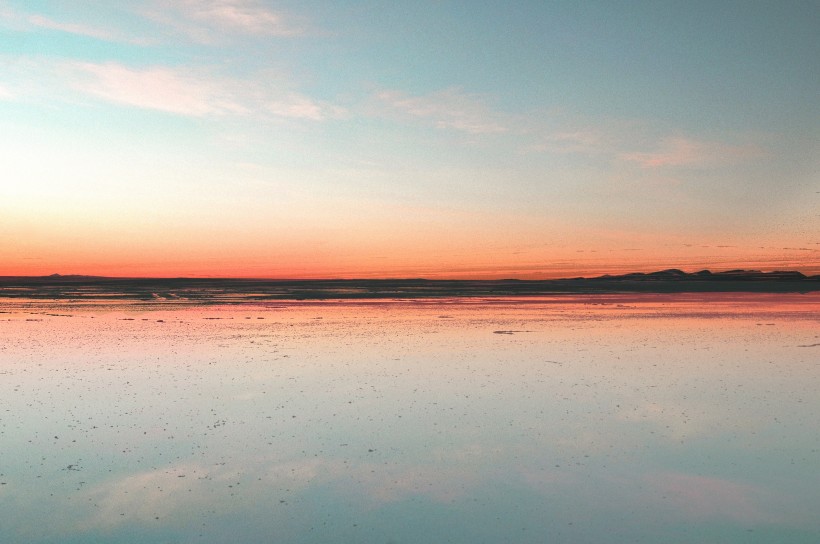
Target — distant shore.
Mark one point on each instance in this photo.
(227, 290)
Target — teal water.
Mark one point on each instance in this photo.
(649, 418)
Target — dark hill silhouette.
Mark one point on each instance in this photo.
(227, 290)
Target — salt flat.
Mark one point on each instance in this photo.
(617, 418)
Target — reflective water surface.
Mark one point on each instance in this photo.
(640, 418)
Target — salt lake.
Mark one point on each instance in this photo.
(571, 419)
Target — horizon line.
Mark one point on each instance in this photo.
(407, 278)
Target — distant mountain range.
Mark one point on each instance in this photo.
(226, 290)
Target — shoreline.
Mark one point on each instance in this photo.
(216, 291)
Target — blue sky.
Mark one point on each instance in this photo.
(477, 139)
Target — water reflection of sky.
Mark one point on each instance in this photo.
(673, 418)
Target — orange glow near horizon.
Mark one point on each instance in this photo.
(397, 241)
(399, 268)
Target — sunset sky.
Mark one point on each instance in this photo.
(478, 139)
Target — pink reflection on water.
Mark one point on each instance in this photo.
(702, 497)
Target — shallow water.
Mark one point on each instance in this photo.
(639, 418)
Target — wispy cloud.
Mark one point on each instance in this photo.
(83, 30)
(578, 140)
(192, 92)
(208, 21)
(301, 107)
(156, 88)
(28, 22)
(5, 94)
(446, 109)
(625, 143)
(201, 21)
(242, 15)
(687, 152)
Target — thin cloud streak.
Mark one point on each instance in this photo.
(83, 30)
(205, 22)
(195, 93)
(446, 109)
(156, 88)
(581, 141)
(686, 152)
(297, 106)
(622, 142)
(244, 16)
(210, 21)
(26, 22)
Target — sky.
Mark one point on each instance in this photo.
(438, 139)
